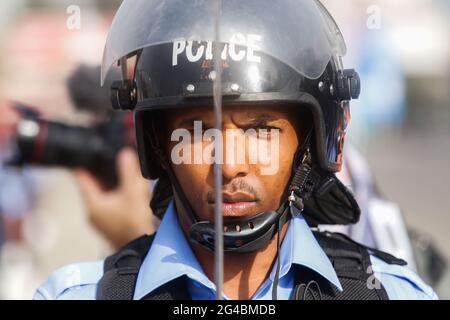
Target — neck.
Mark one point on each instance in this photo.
(243, 272)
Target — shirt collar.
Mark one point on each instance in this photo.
(171, 256)
(308, 252)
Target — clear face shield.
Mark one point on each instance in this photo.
(299, 33)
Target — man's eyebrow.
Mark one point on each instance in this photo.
(261, 119)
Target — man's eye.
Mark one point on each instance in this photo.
(263, 131)
(267, 128)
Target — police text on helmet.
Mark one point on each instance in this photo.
(239, 48)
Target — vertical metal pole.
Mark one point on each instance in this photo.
(218, 223)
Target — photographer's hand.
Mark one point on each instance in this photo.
(122, 214)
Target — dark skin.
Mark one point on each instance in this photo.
(256, 192)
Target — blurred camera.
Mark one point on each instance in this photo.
(50, 143)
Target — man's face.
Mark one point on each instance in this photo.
(259, 145)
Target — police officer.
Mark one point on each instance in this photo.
(283, 86)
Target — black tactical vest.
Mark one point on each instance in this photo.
(350, 260)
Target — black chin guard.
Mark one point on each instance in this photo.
(243, 235)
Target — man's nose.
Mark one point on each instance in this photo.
(235, 162)
(234, 170)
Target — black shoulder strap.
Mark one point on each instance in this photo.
(172, 290)
(351, 262)
(336, 244)
(120, 270)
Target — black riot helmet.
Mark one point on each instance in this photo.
(285, 52)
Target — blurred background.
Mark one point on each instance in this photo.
(401, 123)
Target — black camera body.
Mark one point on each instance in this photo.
(50, 143)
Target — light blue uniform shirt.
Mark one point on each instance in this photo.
(171, 256)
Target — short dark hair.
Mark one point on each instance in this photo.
(86, 93)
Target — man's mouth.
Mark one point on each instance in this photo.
(236, 204)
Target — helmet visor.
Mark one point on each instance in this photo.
(299, 33)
